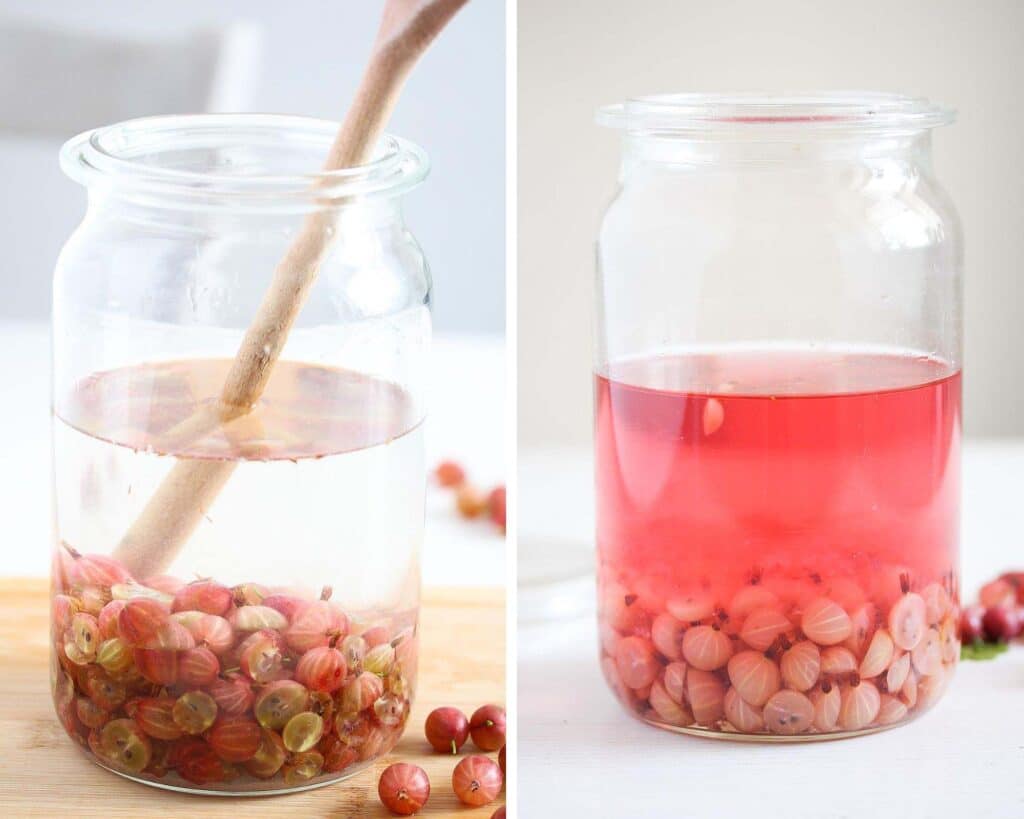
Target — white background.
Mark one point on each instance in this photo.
(578, 54)
(582, 755)
(310, 59)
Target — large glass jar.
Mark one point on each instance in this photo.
(235, 600)
(777, 393)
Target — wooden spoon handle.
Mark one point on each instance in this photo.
(188, 491)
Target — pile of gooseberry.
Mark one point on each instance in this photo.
(998, 616)
(470, 501)
(258, 687)
(781, 656)
(476, 780)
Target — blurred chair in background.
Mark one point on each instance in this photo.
(56, 82)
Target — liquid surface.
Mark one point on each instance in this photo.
(727, 463)
(328, 488)
(306, 411)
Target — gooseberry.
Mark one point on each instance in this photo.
(446, 729)
(476, 780)
(404, 788)
(194, 712)
(487, 727)
(302, 732)
(450, 474)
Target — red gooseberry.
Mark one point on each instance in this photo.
(496, 506)
(198, 667)
(155, 718)
(337, 755)
(156, 665)
(139, 620)
(450, 474)
(476, 780)
(235, 739)
(487, 727)
(1000, 624)
(403, 788)
(322, 669)
(446, 729)
(470, 501)
(205, 596)
(196, 762)
(233, 694)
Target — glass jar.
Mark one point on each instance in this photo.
(777, 402)
(235, 601)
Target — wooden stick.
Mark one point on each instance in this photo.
(190, 488)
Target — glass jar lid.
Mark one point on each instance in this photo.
(243, 161)
(823, 111)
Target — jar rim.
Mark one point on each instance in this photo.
(127, 155)
(831, 111)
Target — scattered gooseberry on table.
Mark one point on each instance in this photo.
(403, 788)
(446, 729)
(470, 501)
(449, 474)
(476, 780)
(487, 727)
(496, 506)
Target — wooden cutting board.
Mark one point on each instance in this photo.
(42, 773)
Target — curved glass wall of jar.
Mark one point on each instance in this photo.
(260, 633)
(777, 398)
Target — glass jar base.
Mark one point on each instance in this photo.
(250, 788)
(769, 739)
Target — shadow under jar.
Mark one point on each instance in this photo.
(260, 638)
(777, 401)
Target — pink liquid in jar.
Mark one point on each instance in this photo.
(777, 536)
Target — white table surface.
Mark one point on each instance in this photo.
(581, 755)
(466, 422)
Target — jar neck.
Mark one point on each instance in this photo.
(108, 202)
(644, 149)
